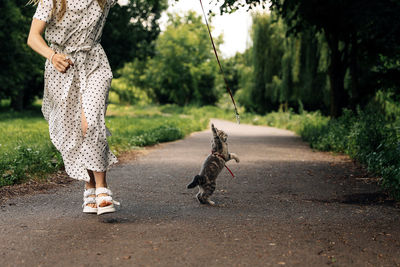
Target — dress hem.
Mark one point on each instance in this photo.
(110, 165)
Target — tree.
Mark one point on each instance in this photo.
(183, 69)
(267, 55)
(361, 35)
(21, 77)
(131, 31)
(286, 70)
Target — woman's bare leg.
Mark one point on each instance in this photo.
(92, 182)
(84, 124)
(97, 179)
(100, 178)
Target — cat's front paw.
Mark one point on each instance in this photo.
(235, 157)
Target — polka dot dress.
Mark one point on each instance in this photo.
(84, 86)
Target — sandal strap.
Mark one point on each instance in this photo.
(103, 190)
(88, 192)
(105, 198)
(89, 200)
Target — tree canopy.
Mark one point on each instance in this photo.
(363, 38)
(183, 69)
(129, 33)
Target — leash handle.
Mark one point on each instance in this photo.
(220, 66)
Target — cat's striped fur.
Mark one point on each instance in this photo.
(212, 166)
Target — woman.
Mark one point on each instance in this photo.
(77, 79)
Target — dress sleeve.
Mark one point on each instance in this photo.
(43, 10)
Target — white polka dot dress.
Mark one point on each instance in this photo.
(85, 85)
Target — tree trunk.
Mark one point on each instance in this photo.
(354, 71)
(337, 72)
(17, 101)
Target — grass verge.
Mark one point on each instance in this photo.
(26, 151)
(369, 136)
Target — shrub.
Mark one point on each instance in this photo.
(367, 136)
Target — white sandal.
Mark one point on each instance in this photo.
(89, 200)
(99, 200)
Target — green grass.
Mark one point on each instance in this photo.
(25, 147)
(133, 127)
(26, 151)
(367, 136)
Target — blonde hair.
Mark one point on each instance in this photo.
(59, 14)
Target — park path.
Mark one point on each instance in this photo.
(288, 206)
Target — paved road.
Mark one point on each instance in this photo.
(287, 206)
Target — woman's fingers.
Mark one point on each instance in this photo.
(67, 60)
(70, 62)
(60, 68)
(62, 63)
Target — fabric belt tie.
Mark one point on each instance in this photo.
(78, 56)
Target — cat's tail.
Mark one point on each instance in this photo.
(195, 182)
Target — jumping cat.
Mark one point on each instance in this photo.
(212, 166)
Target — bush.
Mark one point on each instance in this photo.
(366, 136)
(369, 136)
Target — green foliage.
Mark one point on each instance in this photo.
(244, 67)
(25, 147)
(285, 70)
(362, 47)
(21, 77)
(183, 69)
(267, 54)
(130, 31)
(129, 86)
(232, 69)
(26, 151)
(366, 136)
(140, 126)
(369, 136)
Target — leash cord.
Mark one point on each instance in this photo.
(219, 155)
(220, 66)
(230, 171)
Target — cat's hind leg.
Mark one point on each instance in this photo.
(199, 196)
(208, 191)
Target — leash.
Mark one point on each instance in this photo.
(233, 176)
(220, 66)
(219, 155)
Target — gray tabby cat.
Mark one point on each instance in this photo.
(212, 166)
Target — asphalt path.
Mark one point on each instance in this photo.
(287, 206)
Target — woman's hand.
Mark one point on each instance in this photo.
(37, 43)
(61, 62)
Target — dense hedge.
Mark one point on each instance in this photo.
(370, 137)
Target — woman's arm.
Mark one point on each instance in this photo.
(37, 43)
